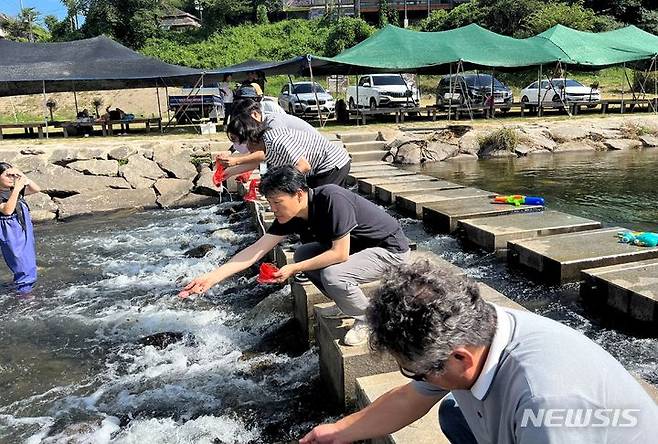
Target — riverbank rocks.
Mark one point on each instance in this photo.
(204, 183)
(42, 208)
(178, 166)
(649, 141)
(418, 146)
(105, 200)
(122, 152)
(566, 132)
(170, 191)
(141, 172)
(96, 167)
(622, 144)
(56, 180)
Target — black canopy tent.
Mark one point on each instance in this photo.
(84, 65)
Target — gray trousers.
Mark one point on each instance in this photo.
(340, 282)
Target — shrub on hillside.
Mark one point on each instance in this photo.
(345, 33)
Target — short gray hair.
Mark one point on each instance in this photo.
(422, 312)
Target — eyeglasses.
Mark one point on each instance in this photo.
(411, 375)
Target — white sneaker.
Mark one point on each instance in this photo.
(358, 334)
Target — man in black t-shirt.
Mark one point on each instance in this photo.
(347, 241)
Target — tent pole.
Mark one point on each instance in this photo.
(315, 91)
(167, 97)
(157, 92)
(540, 73)
(655, 85)
(450, 89)
(493, 96)
(357, 100)
(75, 98)
(45, 107)
(622, 90)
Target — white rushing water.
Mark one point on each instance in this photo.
(86, 377)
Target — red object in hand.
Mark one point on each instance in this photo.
(251, 194)
(266, 273)
(218, 177)
(244, 177)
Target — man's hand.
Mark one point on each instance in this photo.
(199, 285)
(285, 272)
(323, 434)
(20, 182)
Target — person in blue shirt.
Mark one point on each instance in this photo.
(16, 232)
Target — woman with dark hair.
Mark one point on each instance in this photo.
(321, 161)
(16, 233)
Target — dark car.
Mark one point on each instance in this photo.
(474, 87)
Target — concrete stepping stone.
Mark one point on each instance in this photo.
(631, 288)
(413, 204)
(561, 258)
(492, 233)
(381, 166)
(387, 193)
(367, 185)
(445, 216)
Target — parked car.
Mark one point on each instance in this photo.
(475, 88)
(382, 90)
(299, 99)
(560, 90)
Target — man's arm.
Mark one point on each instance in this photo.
(339, 252)
(241, 261)
(389, 413)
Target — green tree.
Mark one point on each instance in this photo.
(382, 15)
(345, 33)
(463, 15)
(261, 15)
(574, 16)
(435, 21)
(131, 22)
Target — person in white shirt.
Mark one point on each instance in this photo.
(227, 95)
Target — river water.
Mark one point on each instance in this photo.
(73, 365)
(616, 188)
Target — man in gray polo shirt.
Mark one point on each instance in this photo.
(513, 376)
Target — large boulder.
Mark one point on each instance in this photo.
(649, 141)
(408, 153)
(27, 164)
(622, 144)
(178, 166)
(469, 143)
(171, 191)
(196, 200)
(567, 132)
(42, 208)
(436, 151)
(105, 200)
(203, 183)
(96, 167)
(68, 155)
(579, 145)
(122, 152)
(537, 138)
(58, 180)
(141, 172)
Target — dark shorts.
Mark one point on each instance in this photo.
(336, 176)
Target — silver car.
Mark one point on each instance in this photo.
(299, 99)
